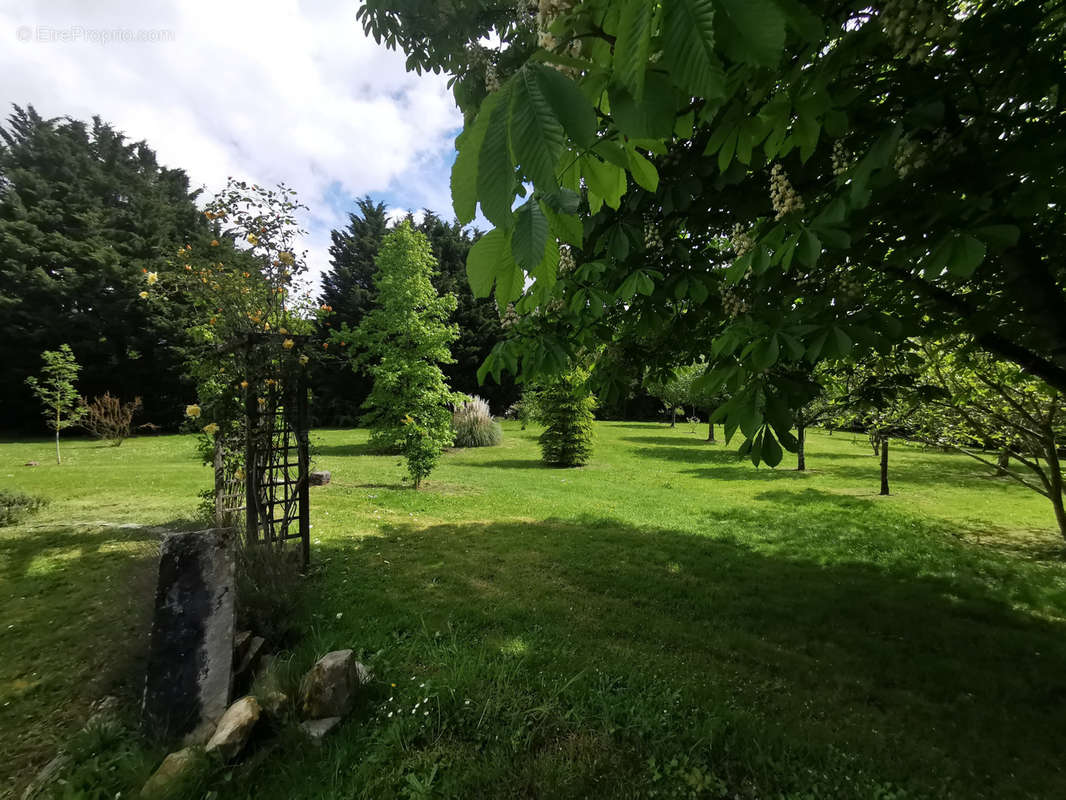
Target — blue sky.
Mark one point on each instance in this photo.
(277, 90)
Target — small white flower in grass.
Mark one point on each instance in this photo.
(425, 713)
(390, 713)
(340, 614)
(466, 703)
(426, 700)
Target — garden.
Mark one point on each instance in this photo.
(712, 449)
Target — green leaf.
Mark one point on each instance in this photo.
(729, 146)
(751, 31)
(643, 171)
(495, 169)
(765, 353)
(488, 255)
(967, 253)
(546, 271)
(465, 168)
(530, 234)
(632, 45)
(771, 450)
(806, 135)
(509, 285)
(566, 227)
(688, 47)
(998, 235)
(810, 247)
(806, 24)
(605, 180)
(536, 132)
(569, 103)
(654, 116)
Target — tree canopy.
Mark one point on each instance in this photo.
(767, 183)
(84, 216)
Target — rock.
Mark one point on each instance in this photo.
(320, 478)
(240, 646)
(316, 729)
(190, 660)
(46, 776)
(105, 711)
(235, 728)
(35, 464)
(173, 769)
(330, 686)
(273, 703)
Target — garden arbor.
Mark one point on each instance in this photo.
(262, 459)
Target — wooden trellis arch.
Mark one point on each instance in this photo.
(262, 465)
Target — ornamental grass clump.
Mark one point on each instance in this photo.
(474, 425)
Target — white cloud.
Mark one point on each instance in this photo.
(269, 91)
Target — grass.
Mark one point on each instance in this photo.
(665, 622)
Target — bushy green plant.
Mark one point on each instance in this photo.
(15, 506)
(565, 408)
(474, 425)
(404, 341)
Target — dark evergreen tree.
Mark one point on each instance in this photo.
(84, 216)
(348, 288)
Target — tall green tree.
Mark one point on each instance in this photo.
(348, 289)
(824, 179)
(85, 217)
(403, 341)
(56, 391)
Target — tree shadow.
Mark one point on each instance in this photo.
(670, 441)
(830, 645)
(77, 629)
(342, 450)
(511, 463)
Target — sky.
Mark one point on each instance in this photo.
(267, 91)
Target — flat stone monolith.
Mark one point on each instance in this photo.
(190, 659)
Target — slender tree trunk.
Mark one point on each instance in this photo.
(884, 465)
(710, 428)
(875, 443)
(801, 455)
(58, 461)
(1054, 469)
(1003, 462)
(673, 417)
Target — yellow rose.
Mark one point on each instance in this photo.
(152, 278)
(192, 411)
(303, 360)
(288, 344)
(244, 384)
(211, 429)
(253, 239)
(143, 295)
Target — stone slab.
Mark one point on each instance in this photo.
(190, 659)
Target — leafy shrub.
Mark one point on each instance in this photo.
(474, 425)
(527, 409)
(108, 417)
(15, 506)
(565, 408)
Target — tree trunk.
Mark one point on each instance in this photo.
(1054, 469)
(673, 417)
(58, 461)
(710, 428)
(875, 443)
(801, 455)
(884, 465)
(1003, 462)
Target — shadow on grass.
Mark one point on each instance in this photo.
(77, 625)
(511, 463)
(891, 645)
(671, 441)
(342, 450)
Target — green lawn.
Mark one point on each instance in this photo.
(666, 622)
